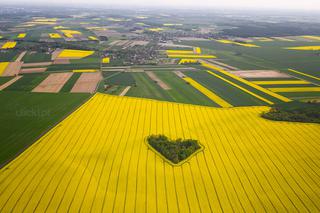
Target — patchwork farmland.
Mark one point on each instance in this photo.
(113, 110)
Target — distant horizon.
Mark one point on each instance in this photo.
(250, 5)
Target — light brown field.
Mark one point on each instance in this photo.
(155, 78)
(12, 69)
(22, 54)
(259, 74)
(55, 54)
(37, 64)
(87, 83)
(33, 70)
(61, 61)
(223, 65)
(53, 83)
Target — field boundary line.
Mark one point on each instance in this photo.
(280, 97)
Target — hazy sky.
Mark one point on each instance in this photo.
(262, 4)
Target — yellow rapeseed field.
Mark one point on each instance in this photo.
(281, 82)
(85, 70)
(106, 60)
(22, 35)
(9, 45)
(3, 66)
(296, 89)
(96, 160)
(236, 43)
(68, 53)
(93, 38)
(70, 33)
(215, 98)
(191, 56)
(54, 35)
(314, 48)
(155, 29)
(188, 61)
(179, 52)
(302, 73)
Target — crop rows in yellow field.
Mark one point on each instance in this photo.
(281, 82)
(68, 53)
(212, 96)
(9, 45)
(96, 160)
(314, 48)
(236, 43)
(22, 35)
(54, 35)
(3, 66)
(257, 87)
(296, 89)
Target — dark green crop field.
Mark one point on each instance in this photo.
(25, 116)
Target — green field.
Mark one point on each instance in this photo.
(72, 80)
(182, 92)
(36, 57)
(8, 56)
(4, 80)
(122, 78)
(27, 83)
(146, 88)
(28, 115)
(69, 67)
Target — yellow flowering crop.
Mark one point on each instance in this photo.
(280, 82)
(9, 45)
(236, 43)
(191, 56)
(85, 70)
(315, 48)
(68, 53)
(93, 38)
(215, 98)
(317, 38)
(106, 60)
(54, 35)
(296, 89)
(188, 61)
(22, 35)
(96, 160)
(3, 66)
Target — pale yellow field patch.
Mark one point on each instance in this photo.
(316, 38)
(179, 52)
(93, 38)
(188, 61)
(96, 160)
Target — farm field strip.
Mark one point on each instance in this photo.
(215, 98)
(305, 74)
(3, 67)
(241, 88)
(97, 160)
(296, 89)
(281, 82)
(277, 96)
(53, 83)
